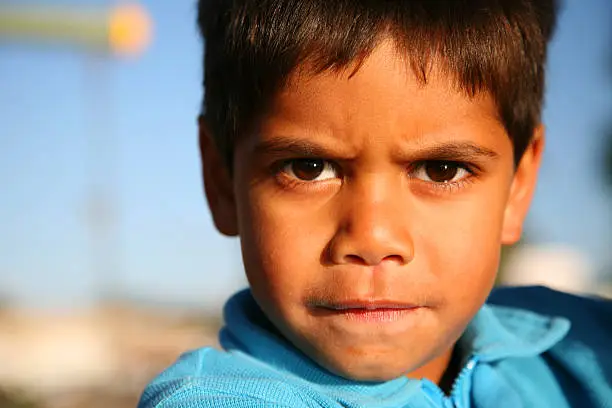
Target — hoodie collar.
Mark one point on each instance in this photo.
(499, 332)
(495, 333)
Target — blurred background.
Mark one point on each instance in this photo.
(109, 263)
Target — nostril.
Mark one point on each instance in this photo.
(394, 258)
(367, 261)
(355, 259)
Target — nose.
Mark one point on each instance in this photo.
(373, 226)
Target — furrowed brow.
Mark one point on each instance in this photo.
(294, 147)
(287, 146)
(455, 151)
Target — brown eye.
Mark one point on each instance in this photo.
(310, 169)
(441, 172)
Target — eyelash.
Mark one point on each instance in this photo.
(290, 182)
(471, 170)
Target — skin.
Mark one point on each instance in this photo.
(373, 225)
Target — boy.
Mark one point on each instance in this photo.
(373, 156)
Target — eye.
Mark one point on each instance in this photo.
(441, 172)
(310, 169)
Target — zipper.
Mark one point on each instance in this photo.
(436, 395)
(459, 388)
(461, 385)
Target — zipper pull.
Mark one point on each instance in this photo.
(463, 384)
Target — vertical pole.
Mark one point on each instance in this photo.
(102, 168)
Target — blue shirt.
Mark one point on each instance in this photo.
(529, 347)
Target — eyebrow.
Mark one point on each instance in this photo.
(462, 150)
(282, 145)
(455, 151)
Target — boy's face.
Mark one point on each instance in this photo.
(371, 212)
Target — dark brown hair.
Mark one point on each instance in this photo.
(253, 46)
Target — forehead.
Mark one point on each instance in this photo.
(380, 97)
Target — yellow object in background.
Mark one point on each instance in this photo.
(125, 29)
(129, 29)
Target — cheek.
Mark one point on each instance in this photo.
(462, 247)
(282, 244)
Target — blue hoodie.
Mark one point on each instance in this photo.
(515, 355)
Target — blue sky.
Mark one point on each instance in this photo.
(56, 102)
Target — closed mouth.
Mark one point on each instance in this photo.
(379, 311)
(369, 307)
(366, 305)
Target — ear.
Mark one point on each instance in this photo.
(217, 183)
(522, 189)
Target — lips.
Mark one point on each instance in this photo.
(368, 305)
(377, 311)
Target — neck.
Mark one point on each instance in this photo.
(442, 370)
